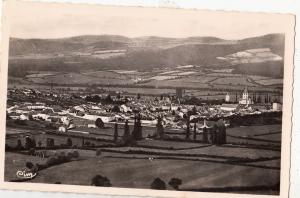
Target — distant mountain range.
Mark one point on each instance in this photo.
(92, 52)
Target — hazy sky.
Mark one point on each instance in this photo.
(51, 21)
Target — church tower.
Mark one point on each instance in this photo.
(245, 94)
(246, 100)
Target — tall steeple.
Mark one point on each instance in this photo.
(246, 100)
(245, 93)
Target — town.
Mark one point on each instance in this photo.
(59, 128)
(84, 110)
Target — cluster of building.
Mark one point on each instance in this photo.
(86, 113)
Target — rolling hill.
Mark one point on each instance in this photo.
(99, 52)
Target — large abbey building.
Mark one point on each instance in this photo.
(246, 100)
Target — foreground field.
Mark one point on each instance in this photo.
(252, 153)
(139, 173)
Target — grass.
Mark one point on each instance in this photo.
(215, 152)
(79, 78)
(15, 162)
(270, 81)
(232, 81)
(139, 173)
(201, 167)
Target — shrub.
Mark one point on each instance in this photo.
(41, 166)
(28, 143)
(50, 142)
(98, 152)
(51, 126)
(99, 180)
(29, 165)
(99, 123)
(70, 155)
(75, 154)
(35, 168)
(21, 122)
(69, 142)
(52, 161)
(7, 147)
(19, 145)
(158, 184)
(62, 158)
(33, 143)
(87, 143)
(31, 151)
(175, 183)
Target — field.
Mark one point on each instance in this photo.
(160, 79)
(139, 173)
(17, 162)
(232, 81)
(270, 81)
(252, 152)
(82, 78)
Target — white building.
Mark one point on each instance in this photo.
(62, 129)
(277, 106)
(227, 98)
(229, 107)
(246, 100)
(24, 117)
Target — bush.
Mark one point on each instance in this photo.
(35, 168)
(69, 142)
(29, 165)
(62, 158)
(58, 159)
(52, 161)
(75, 154)
(99, 180)
(158, 184)
(41, 166)
(21, 122)
(51, 126)
(7, 147)
(70, 155)
(175, 183)
(50, 142)
(99, 123)
(29, 143)
(33, 143)
(19, 145)
(31, 151)
(98, 152)
(87, 143)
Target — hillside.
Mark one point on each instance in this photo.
(142, 53)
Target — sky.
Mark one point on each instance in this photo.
(44, 20)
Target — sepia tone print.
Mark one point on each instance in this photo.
(114, 98)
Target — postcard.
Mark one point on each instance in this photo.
(144, 101)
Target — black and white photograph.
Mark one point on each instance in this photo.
(125, 97)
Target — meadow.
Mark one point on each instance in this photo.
(249, 153)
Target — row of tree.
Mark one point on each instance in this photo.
(135, 135)
(157, 183)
